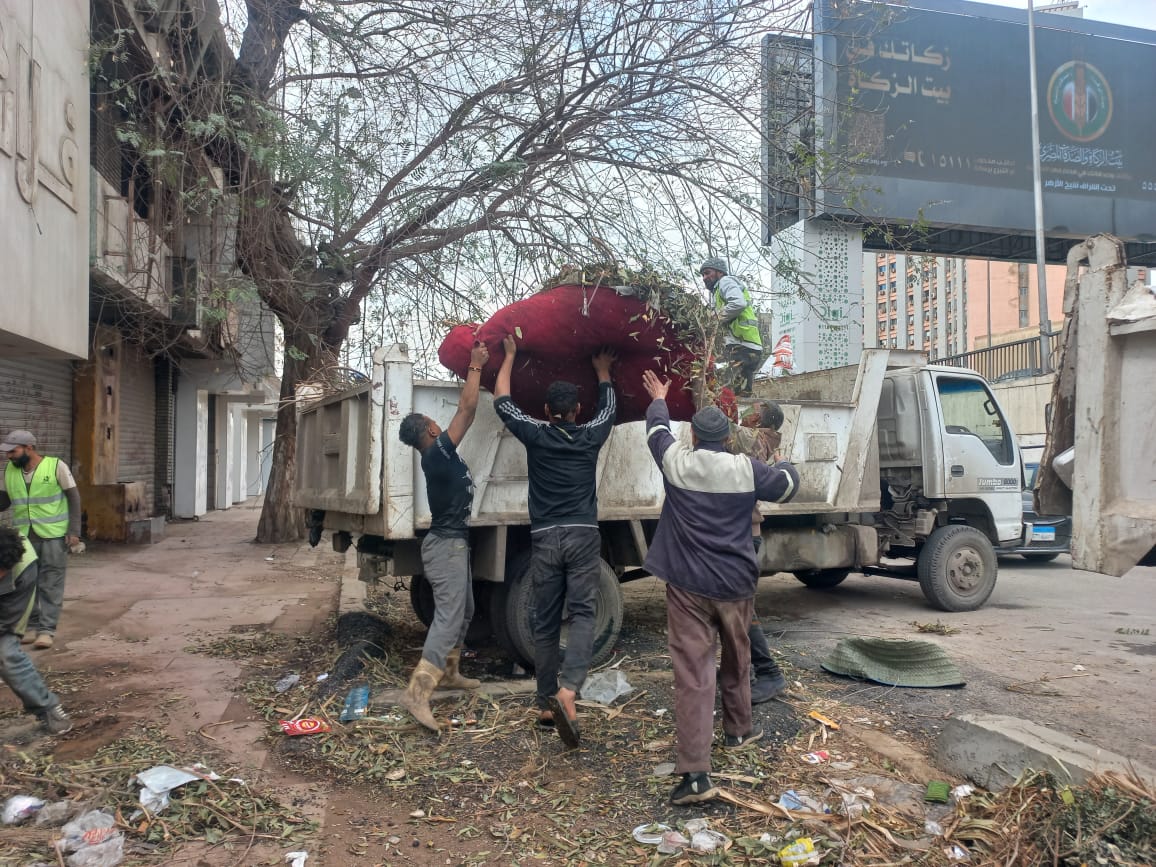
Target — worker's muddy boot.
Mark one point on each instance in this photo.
(415, 699)
(453, 679)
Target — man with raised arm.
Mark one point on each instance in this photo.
(702, 550)
(445, 551)
(565, 543)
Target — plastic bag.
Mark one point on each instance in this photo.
(19, 808)
(606, 686)
(94, 841)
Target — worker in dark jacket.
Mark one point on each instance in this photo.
(702, 550)
(562, 457)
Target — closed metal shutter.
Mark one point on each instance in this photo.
(136, 445)
(36, 395)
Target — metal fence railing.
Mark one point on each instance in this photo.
(1006, 361)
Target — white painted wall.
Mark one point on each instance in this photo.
(190, 451)
(44, 178)
(253, 482)
(1025, 402)
(223, 497)
(240, 443)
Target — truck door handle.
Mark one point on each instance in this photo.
(957, 471)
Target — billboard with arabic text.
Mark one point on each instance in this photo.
(928, 104)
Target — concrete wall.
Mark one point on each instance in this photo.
(44, 127)
(1025, 402)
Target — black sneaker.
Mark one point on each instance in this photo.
(767, 687)
(56, 721)
(694, 788)
(734, 742)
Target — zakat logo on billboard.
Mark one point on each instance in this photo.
(1080, 101)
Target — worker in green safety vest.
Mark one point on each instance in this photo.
(741, 338)
(18, 573)
(45, 505)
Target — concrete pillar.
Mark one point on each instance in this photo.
(190, 451)
(224, 455)
(268, 433)
(253, 484)
(823, 259)
(237, 479)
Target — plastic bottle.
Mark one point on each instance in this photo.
(356, 703)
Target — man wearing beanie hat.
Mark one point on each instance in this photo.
(736, 313)
(702, 550)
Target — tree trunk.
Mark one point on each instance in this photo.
(281, 520)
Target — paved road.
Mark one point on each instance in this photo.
(1041, 622)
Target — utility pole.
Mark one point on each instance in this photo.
(1041, 273)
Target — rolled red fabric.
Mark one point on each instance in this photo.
(561, 329)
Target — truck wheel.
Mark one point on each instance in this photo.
(1040, 558)
(823, 579)
(957, 568)
(421, 599)
(517, 628)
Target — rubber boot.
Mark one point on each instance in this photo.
(453, 679)
(415, 699)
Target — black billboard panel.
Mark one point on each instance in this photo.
(931, 111)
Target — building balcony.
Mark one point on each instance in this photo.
(127, 258)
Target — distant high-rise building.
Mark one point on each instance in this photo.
(915, 302)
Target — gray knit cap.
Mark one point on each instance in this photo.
(710, 425)
(715, 263)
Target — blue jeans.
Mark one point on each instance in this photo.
(565, 569)
(16, 668)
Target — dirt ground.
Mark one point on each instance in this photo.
(170, 654)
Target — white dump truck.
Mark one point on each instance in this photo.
(1099, 465)
(907, 469)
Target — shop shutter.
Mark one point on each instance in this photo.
(36, 395)
(136, 445)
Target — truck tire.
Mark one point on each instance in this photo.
(823, 579)
(516, 631)
(421, 599)
(957, 568)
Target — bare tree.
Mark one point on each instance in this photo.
(378, 147)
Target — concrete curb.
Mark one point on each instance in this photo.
(993, 750)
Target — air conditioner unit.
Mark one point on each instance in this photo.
(187, 307)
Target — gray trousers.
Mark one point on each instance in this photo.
(52, 558)
(447, 569)
(565, 569)
(16, 669)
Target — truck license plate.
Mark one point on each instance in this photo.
(1043, 534)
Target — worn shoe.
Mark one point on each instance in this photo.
(43, 641)
(767, 687)
(566, 725)
(735, 742)
(28, 637)
(694, 789)
(416, 697)
(56, 721)
(452, 678)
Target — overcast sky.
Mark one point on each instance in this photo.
(1134, 13)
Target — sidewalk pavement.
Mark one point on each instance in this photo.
(131, 612)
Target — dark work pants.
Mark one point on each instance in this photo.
(17, 600)
(742, 364)
(691, 624)
(565, 569)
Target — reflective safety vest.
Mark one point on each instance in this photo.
(39, 506)
(745, 326)
(27, 560)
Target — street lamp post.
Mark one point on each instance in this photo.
(1041, 275)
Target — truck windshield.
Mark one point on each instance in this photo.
(969, 409)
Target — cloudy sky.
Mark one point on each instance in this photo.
(1134, 13)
